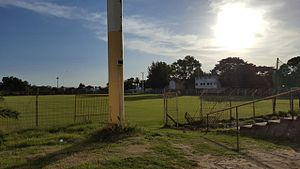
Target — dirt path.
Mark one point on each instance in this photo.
(257, 158)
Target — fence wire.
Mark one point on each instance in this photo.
(52, 110)
(227, 112)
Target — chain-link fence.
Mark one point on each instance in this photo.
(185, 108)
(52, 110)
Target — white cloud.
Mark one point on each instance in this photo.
(151, 35)
(159, 40)
(92, 20)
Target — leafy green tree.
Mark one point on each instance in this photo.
(158, 75)
(81, 86)
(129, 84)
(13, 84)
(237, 73)
(186, 70)
(294, 62)
(228, 71)
(137, 82)
(289, 73)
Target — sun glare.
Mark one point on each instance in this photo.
(237, 27)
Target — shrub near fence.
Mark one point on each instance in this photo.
(53, 110)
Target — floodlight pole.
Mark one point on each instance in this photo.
(57, 78)
(115, 61)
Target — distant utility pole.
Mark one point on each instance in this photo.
(57, 78)
(143, 82)
(276, 85)
(277, 77)
(115, 61)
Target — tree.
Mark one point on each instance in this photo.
(158, 75)
(81, 86)
(237, 73)
(294, 62)
(227, 70)
(289, 73)
(137, 82)
(13, 84)
(129, 84)
(186, 70)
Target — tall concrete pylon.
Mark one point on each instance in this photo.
(115, 61)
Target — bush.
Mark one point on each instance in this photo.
(114, 133)
(275, 114)
(282, 114)
(7, 113)
(294, 113)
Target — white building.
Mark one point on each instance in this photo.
(207, 82)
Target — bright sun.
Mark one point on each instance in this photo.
(238, 27)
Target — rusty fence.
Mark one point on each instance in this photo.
(283, 105)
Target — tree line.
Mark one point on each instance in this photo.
(233, 72)
(15, 86)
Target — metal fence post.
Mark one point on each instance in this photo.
(75, 108)
(254, 111)
(177, 110)
(237, 130)
(253, 105)
(207, 125)
(37, 109)
(230, 111)
(167, 118)
(165, 109)
(299, 102)
(274, 105)
(201, 108)
(292, 104)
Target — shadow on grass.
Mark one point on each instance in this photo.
(97, 139)
(220, 144)
(293, 144)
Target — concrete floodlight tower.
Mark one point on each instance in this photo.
(115, 61)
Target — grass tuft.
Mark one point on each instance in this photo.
(114, 133)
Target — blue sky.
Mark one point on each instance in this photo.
(43, 39)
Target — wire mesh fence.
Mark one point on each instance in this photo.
(184, 108)
(228, 112)
(52, 110)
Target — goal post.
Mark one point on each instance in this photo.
(115, 61)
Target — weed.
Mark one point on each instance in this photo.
(282, 114)
(114, 133)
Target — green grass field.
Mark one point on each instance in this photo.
(144, 110)
(65, 145)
